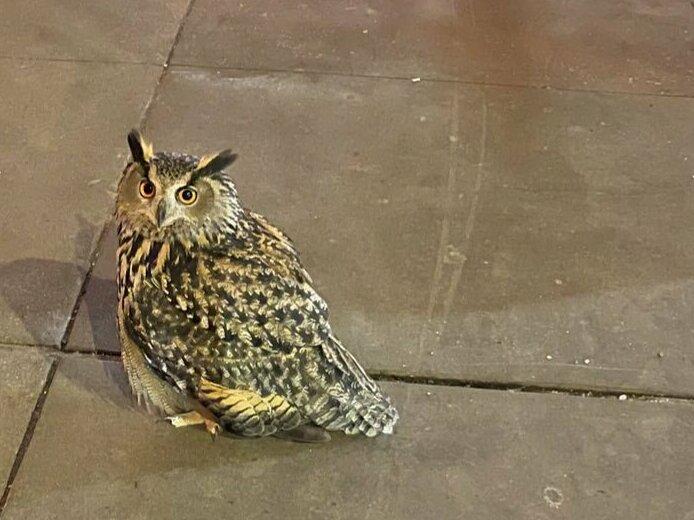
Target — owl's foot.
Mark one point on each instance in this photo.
(194, 418)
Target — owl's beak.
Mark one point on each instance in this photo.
(165, 215)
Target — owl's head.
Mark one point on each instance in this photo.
(177, 196)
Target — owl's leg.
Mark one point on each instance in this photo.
(150, 390)
(159, 396)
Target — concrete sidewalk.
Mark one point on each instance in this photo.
(495, 198)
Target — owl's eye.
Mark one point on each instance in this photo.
(147, 189)
(187, 195)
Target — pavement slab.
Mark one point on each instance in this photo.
(22, 376)
(131, 30)
(457, 452)
(64, 126)
(474, 233)
(575, 291)
(635, 46)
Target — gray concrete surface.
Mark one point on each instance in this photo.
(125, 31)
(518, 217)
(22, 375)
(626, 46)
(458, 453)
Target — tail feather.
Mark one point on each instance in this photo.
(375, 414)
(353, 412)
(361, 404)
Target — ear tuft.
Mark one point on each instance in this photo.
(210, 164)
(140, 149)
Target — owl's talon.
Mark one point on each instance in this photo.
(194, 418)
(213, 428)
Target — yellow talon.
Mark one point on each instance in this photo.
(194, 418)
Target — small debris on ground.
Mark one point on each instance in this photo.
(549, 357)
(416, 80)
(623, 397)
(553, 496)
(586, 361)
(661, 354)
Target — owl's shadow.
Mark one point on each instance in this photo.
(38, 297)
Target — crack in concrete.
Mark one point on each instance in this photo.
(478, 83)
(480, 384)
(534, 388)
(93, 257)
(79, 60)
(446, 222)
(450, 253)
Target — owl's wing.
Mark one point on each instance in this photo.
(252, 318)
(288, 313)
(280, 318)
(282, 273)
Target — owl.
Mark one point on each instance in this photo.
(220, 324)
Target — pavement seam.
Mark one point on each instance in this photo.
(165, 66)
(79, 60)
(177, 36)
(184, 65)
(532, 389)
(94, 256)
(477, 384)
(9, 344)
(28, 434)
(422, 80)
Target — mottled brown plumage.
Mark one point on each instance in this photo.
(219, 321)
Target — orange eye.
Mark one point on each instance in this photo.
(187, 195)
(147, 189)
